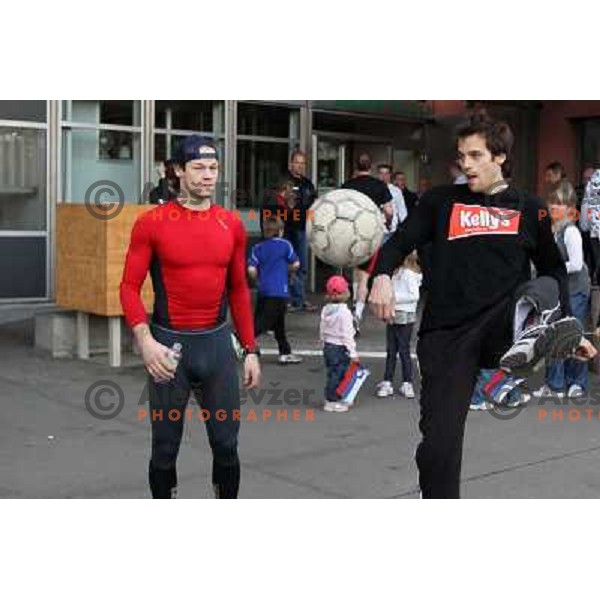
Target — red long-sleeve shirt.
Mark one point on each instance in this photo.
(196, 259)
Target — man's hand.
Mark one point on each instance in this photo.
(251, 371)
(355, 359)
(381, 299)
(156, 359)
(586, 350)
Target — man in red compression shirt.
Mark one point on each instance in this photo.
(196, 253)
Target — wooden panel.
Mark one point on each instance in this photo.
(90, 257)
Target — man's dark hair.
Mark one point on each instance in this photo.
(498, 135)
(385, 166)
(557, 169)
(396, 173)
(363, 163)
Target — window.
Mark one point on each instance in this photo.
(264, 120)
(23, 201)
(267, 134)
(101, 140)
(22, 179)
(102, 112)
(259, 166)
(189, 115)
(23, 110)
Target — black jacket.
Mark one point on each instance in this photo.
(410, 199)
(481, 250)
(160, 194)
(306, 195)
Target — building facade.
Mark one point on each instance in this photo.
(54, 151)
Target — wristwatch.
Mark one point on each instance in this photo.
(250, 350)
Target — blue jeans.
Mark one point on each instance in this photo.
(565, 373)
(297, 238)
(337, 361)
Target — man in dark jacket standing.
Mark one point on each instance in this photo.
(295, 228)
(410, 198)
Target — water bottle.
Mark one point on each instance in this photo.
(174, 356)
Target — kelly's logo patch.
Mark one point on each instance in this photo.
(468, 220)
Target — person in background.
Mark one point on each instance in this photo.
(553, 176)
(168, 184)
(280, 203)
(588, 254)
(270, 262)
(295, 228)
(410, 198)
(568, 375)
(336, 332)
(380, 194)
(589, 220)
(424, 186)
(384, 173)
(406, 282)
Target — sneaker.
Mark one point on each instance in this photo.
(384, 389)
(407, 390)
(335, 407)
(517, 398)
(575, 391)
(480, 406)
(289, 359)
(499, 386)
(554, 341)
(293, 309)
(547, 392)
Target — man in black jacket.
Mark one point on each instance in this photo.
(410, 198)
(295, 227)
(484, 234)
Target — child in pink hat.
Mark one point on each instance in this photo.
(337, 335)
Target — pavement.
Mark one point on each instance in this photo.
(51, 446)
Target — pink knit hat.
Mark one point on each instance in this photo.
(336, 284)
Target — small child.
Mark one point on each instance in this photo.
(271, 261)
(406, 282)
(337, 335)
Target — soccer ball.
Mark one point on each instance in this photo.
(345, 228)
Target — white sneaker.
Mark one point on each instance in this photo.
(337, 407)
(575, 391)
(384, 389)
(546, 392)
(406, 389)
(289, 359)
(480, 406)
(519, 399)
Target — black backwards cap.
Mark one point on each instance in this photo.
(189, 149)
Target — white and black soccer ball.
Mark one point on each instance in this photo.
(345, 228)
